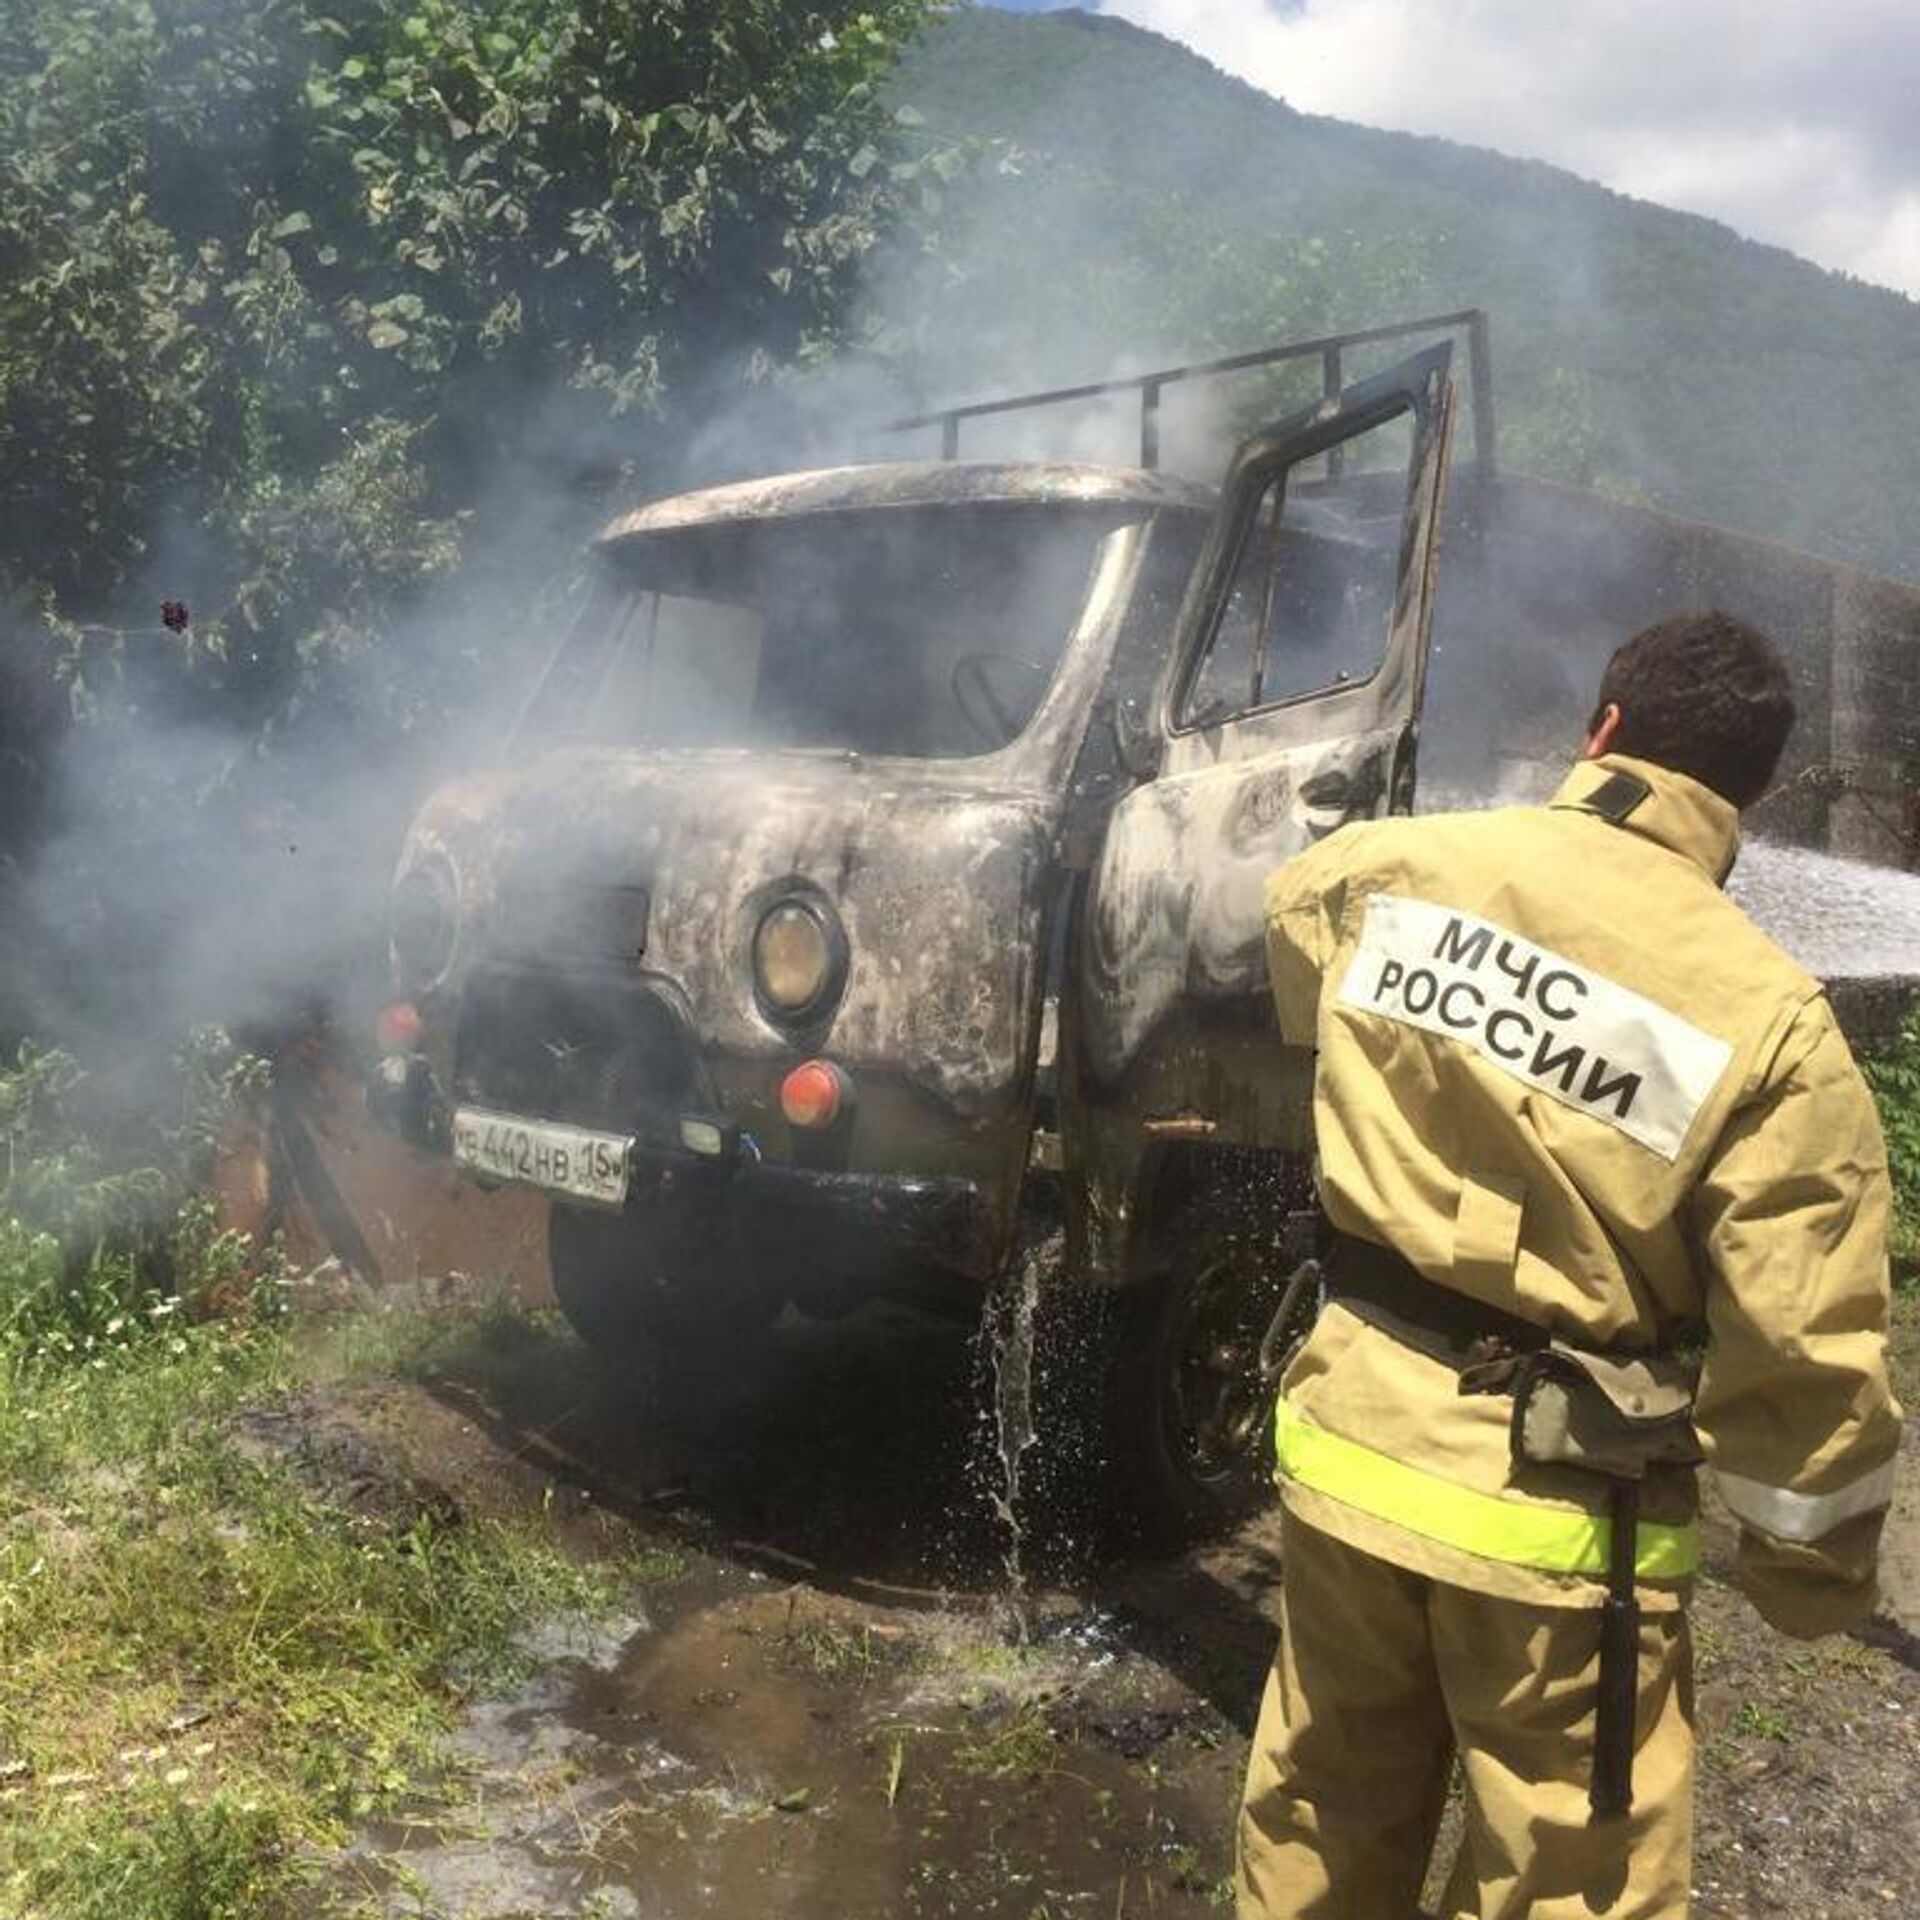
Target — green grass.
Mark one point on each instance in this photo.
(1894, 1075)
(163, 1856)
(1761, 1722)
(832, 1650)
(1023, 1745)
(205, 1668)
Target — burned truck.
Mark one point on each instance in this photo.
(875, 880)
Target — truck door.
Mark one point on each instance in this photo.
(1290, 703)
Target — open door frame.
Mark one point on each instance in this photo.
(1169, 1027)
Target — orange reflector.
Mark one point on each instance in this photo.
(398, 1027)
(813, 1094)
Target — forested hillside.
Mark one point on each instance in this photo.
(1145, 207)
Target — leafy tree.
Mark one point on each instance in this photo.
(305, 302)
(237, 237)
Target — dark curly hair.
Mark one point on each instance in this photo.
(1704, 694)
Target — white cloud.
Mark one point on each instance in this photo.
(1791, 120)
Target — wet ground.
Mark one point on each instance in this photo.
(821, 1701)
(830, 1704)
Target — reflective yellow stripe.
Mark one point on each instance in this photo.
(1555, 1539)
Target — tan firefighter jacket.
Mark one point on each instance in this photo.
(1562, 1074)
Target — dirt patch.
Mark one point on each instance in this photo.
(829, 1711)
(1809, 1752)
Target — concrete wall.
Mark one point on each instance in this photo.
(1875, 812)
(1540, 582)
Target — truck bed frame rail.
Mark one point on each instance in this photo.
(1329, 349)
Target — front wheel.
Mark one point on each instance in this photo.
(1203, 1346)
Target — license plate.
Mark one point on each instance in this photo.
(543, 1153)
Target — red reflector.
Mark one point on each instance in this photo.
(813, 1094)
(398, 1027)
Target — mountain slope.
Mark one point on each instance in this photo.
(1135, 205)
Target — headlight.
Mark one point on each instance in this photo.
(426, 921)
(799, 959)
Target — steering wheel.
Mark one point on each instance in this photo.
(985, 707)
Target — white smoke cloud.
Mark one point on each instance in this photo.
(1793, 123)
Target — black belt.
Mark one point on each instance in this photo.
(1389, 1291)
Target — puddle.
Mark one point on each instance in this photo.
(490, 1880)
(828, 1714)
(767, 1749)
(591, 1643)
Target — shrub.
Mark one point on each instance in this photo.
(100, 1218)
(1894, 1076)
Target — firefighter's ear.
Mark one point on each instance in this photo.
(1606, 723)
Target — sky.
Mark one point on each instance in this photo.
(1793, 121)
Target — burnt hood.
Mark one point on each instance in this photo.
(664, 864)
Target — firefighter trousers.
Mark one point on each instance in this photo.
(1382, 1676)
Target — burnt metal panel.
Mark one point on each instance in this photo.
(937, 884)
(905, 485)
(1178, 910)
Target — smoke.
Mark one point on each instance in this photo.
(219, 819)
(209, 855)
(194, 867)
(199, 873)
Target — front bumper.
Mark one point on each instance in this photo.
(861, 1229)
(862, 1226)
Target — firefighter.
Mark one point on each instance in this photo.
(1606, 1192)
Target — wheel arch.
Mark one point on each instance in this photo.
(1252, 1190)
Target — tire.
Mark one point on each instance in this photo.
(680, 1343)
(1202, 1347)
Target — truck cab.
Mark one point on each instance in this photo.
(874, 878)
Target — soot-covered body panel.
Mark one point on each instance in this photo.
(938, 886)
(612, 887)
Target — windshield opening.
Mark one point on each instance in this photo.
(930, 633)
